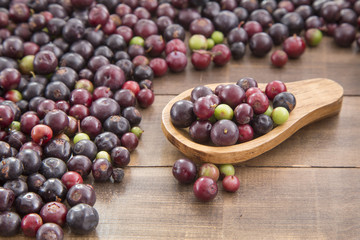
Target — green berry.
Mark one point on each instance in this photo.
(15, 126)
(223, 111)
(269, 111)
(227, 170)
(210, 43)
(103, 154)
(217, 36)
(197, 42)
(137, 41)
(26, 64)
(80, 136)
(137, 131)
(280, 115)
(313, 37)
(85, 84)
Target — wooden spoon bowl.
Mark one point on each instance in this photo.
(315, 99)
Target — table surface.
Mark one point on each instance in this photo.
(305, 188)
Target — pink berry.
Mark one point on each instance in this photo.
(279, 58)
(231, 183)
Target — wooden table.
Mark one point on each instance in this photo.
(306, 188)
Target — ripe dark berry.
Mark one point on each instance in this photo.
(184, 170)
(82, 218)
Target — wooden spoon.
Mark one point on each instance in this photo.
(315, 99)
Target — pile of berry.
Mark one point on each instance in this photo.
(233, 113)
(73, 73)
(205, 178)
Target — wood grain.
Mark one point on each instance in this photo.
(315, 99)
(272, 203)
(324, 61)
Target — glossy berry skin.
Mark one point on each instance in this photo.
(110, 76)
(10, 168)
(286, 100)
(204, 108)
(159, 66)
(81, 193)
(232, 95)
(30, 160)
(71, 178)
(259, 102)
(28, 203)
(103, 108)
(50, 229)
(262, 124)
(224, 133)
(243, 113)
(82, 218)
(120, 156)
(184, 171)
(53, 167)
(222, 54)
(130, 141)
(279, 58)
(246, 133)
(30, 224)
(176, 61)
(209, 170)
(199, 131)
(181, 113)
(10, 78)
(54, 212)
(41, 134)
(231, 183)
(200, 60)
(294, 46)
(81, 163)
(10, 223)
(175, 45)
(313, 37)
(53, 190)
(205, 189)
(7, 198)
(260, 44)
(45, 62)
(145, 98)
(57, 120)
(273, 88)
(101, 170)
(6, 116)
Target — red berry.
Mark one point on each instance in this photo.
(41, 134)
(145, 97)
(159, 66)
(30, 224)
(132, 86)
(205, 189)
(71, 178)
(279, 58)
(259, 102)
(201, 60)
(222, 54)
(273, 88)
(294, 46)
(231, 183)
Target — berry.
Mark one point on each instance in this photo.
(205, 189)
